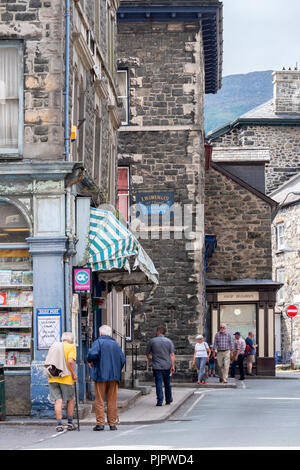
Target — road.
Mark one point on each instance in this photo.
(259, 414)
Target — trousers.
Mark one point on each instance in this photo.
(110, 390)
(223, 361)
(240, 363)
(200, 363)
(162, 377)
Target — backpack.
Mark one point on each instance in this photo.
(248, 350)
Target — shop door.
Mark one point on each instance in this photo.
(239, 317)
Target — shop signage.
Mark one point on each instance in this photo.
(238, 296)
(158, 203)
(48, 326)
(292, 311)
(82, 279)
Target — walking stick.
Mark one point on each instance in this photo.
(76, 402)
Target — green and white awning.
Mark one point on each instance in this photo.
(111, 245)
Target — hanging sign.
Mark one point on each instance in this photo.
(81, 279)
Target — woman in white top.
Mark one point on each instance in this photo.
(201, 356)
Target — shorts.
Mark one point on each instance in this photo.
(211, 366)
(250, 358)
(60, 391)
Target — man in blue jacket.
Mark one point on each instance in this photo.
(106, 359)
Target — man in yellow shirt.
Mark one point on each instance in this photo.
(62, 388)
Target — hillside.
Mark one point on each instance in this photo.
(239, 94)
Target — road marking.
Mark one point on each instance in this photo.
(193, 405)
(278, 398)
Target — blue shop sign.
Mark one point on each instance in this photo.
(156, 203)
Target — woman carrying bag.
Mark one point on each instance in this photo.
(201, 356)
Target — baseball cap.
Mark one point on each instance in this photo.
(237, 333)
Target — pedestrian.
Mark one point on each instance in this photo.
(161, 353)
(61, 369)
(224, 346)
(252, 352)
(201, 356)
(238, 355)
(106, 360)
(212, 363)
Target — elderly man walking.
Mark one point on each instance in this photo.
(106, 359)
(61, 369)
(224, 346)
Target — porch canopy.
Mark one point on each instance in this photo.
(115, 251)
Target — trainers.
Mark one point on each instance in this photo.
(71, 427)
(60, 428)
(169, 402)
(98, 427)
(203, 382)
(158, 404)
(113, 428)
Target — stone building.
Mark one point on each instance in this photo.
(262, 147)
(286, 265)
(239, 287)
(58, 160)
(169, 55)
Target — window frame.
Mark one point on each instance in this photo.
(126, 97)
(280, 239)
(16, 152)
(125, 192)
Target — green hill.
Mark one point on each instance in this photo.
(239, 94)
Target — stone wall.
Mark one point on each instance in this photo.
(240, 220)
(39, 24)
(163, 146)
(290, 262)
(284, 145)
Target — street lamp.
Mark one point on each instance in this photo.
(296, 193)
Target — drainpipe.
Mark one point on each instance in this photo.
(68, 321)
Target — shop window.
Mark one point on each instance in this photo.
(16, 296)
(13, 225)
(11, 97)
(123, 192)
(280, 236)
(123, 96)
(239, 317)
(280, 277)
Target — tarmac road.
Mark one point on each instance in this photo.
(260, 414)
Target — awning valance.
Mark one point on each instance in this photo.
(112, 245)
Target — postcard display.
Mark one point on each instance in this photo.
(16, 306)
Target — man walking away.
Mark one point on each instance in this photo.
(161, 353)
(251, 355)
(238, 355)
(223, 344)
(61, 369)
(106, 359)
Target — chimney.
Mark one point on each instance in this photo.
(286, 94)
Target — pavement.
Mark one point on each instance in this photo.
(138, 406)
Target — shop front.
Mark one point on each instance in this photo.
(246, 306)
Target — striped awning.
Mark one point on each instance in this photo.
(111, 245)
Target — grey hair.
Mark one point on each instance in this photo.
(105, 330)
(67, 336)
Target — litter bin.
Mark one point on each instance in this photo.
(2, 394)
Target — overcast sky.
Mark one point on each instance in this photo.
(260, 35)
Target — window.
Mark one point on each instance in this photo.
(98, 148)
(123, 96)
(112, 174)
(239, 317)
(78, 120)
(280, 277)
(110, 23)
(127, 308)
(280, 236)
(11, 97)
(123, 192)
(13, 225)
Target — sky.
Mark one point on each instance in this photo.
(260, 35)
